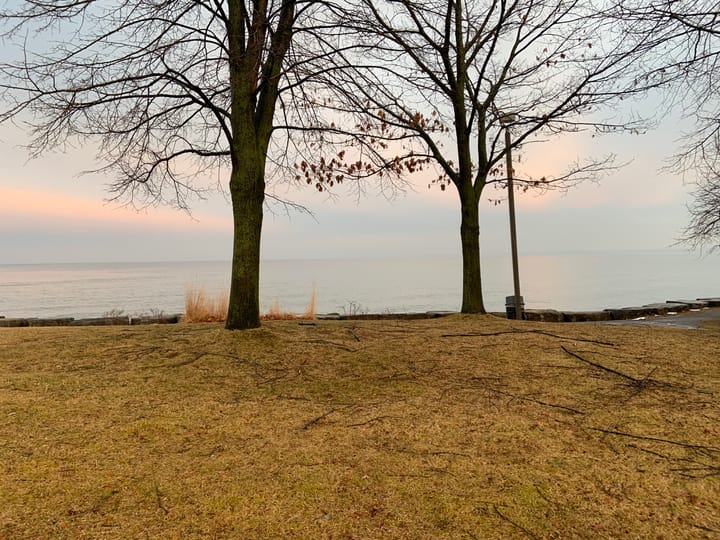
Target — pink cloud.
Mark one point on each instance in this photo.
(31, 206)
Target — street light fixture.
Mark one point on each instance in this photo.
(506, 121)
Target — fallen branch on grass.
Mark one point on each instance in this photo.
(694, 472)
(432, 452)
(696, 469)
(317, 418)
(709, 449)
(543, 332)
(187, 362)
(704, 528)
(536, 401)
(368, 422)
(601, 367)
(331, 343)
(640, 384)
(351, 331)
(514, 524)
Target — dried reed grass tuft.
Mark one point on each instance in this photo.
(276, 313)
(200, 307)
(311, 309)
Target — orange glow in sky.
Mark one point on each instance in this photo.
(42, 206)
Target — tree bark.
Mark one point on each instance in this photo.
(472, 296)
(247, 192)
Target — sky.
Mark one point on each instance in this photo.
(49, 213)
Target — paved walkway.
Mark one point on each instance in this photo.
(686, 319)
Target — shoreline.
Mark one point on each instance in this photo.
(629, 314)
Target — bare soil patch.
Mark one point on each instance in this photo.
(461, 427)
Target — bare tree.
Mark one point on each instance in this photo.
(437, 82)
(704, 228)
(686, 52)
(170, 91)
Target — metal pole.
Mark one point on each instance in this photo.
(513, 232)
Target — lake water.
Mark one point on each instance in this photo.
(579, 281)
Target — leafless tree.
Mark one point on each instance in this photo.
(169, 91)
(438, 82)
(686, 52)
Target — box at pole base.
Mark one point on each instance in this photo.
(510, 307)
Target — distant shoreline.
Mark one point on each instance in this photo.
(378, 258)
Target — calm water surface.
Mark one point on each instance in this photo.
(568, 281)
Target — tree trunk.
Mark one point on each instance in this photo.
(247, 192)
(472, 297)
(255, 64)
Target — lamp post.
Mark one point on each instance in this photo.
(505, 121)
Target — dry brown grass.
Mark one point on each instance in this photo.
(201, 307)
(277, 313)
(372, 429)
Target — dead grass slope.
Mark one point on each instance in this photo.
(464, 427)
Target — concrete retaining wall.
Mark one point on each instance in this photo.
(544, 315)
(621, 314)
(97, 321)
